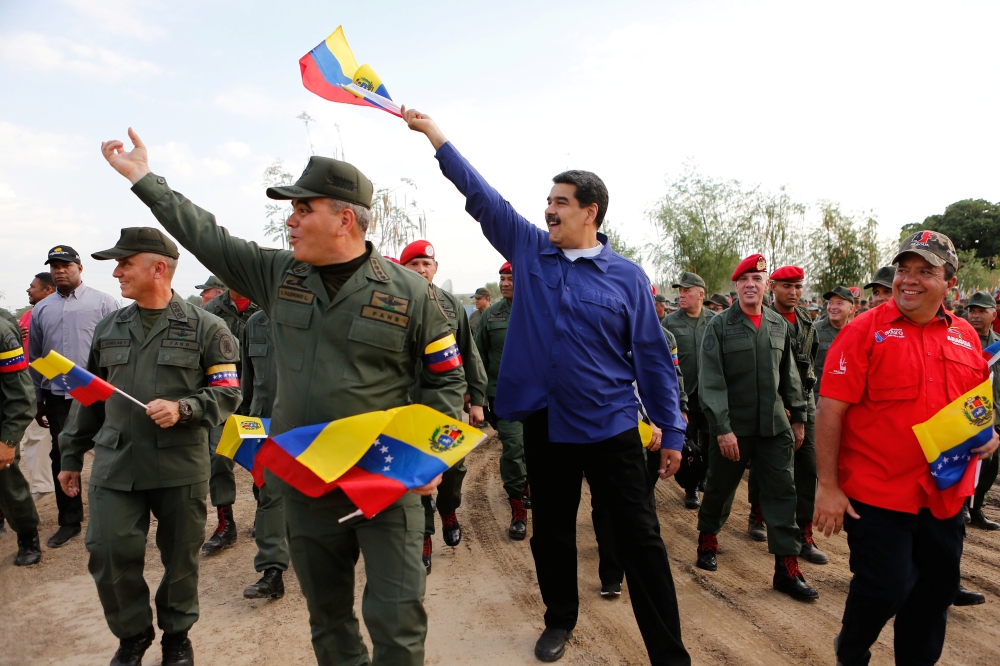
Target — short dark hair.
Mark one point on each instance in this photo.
(589, 190)
(45, 280)
(949, 272)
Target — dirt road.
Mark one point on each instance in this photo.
(482, 600)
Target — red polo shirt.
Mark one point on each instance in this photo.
(896, 374)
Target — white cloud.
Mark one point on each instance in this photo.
(178, 158)
(116, 16)
(236, 149)
(22, 147)
(6, 191)
(254, 103)
(35, 51)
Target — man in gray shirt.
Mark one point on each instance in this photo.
(64, 322)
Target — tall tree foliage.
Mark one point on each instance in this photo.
(971, 224)
(843, 249)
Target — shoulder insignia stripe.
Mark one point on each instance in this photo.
(128, 312)
(177, 311)
(378, 270)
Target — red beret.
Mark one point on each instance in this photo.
(788, 274)
(856, 292)
(393, 260)
(420, 248)
(755, 263)
(506, 268)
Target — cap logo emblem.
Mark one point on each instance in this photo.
(57, 249)
(923, 239)
(429, 250)
(761, 264)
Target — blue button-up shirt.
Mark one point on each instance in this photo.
(583, 331)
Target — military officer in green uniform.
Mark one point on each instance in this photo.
(181, 362)
(483, 298)
(210, 289)
(490, 340)
(661, 306)
(982, 312)
(747, 384)
(17, 397)
(259, 382)
(349, 327)
(419, 256)
(688, 325)
(235, 310)
(786, 286)
(839, 308)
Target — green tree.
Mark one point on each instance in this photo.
(973, 274)
(494, 288)
(971, 224)
(843, 250)
(619, 244)
(194, 299)
(276, 213)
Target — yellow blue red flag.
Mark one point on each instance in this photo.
(78, 382)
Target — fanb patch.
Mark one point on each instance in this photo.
(227, 346)
(293, 289)
(180, 344)
(390, 302)
(388, 316)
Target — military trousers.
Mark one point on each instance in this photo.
(116, 541)
(513, 471)
(449, 495)
(987, 475)
(772, 458)
(15, 498)
(57, 413)
(697, 432)
(325, 553)
(222, 482)
(804, 474)
(269, 530)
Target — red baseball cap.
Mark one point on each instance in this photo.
(506, 268)
(788, 274)
(755, 263)
(419, 248)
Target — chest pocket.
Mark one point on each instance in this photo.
(548, 272)
(777, 343)
(375, 354)
(604, 299)
(963, 371)
(257, 349)
(292, 332)
(178, 372)
(114, 356)
(681, 332)
(732, 345)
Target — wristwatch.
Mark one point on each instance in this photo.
(12, 445)
(185, 411)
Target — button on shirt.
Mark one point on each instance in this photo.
(577, 322)
(896, 374)
(66, 324)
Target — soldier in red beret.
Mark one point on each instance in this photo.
(752, 396)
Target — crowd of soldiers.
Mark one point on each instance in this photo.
(331, 329)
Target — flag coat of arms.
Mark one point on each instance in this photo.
(330, 71)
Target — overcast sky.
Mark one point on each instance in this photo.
(879, 106)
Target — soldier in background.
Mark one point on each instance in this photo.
(181, 362)
(717, 303)
(813, 310)
(661, 306)
(839, 306)
(881, 286)
(235, 310)
(213, 287)
(483, 298)
(418, 256)
(982, 312)
(36, 446)
(260, 384)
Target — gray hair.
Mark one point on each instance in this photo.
(361, 214)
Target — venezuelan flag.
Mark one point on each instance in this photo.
(82, 385)
(948, 437)
(223, 374)
(331, 72)
(242, 438)
(12, 361)
(991, 351)
(442, 355)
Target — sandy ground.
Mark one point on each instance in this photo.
(482, 600)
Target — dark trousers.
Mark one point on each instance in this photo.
(805, 479)
(697, 432)
(57, 412)
(987, 475)
(615, 469)
(904, 565)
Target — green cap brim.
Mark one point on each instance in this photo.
(286, 192)
(113, 253)
(872, 285)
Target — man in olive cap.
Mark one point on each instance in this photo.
(349, 328)
(982, 312)
(179, 361)
(717, 303)
(839, 308)
(482, 298)
(213, 287)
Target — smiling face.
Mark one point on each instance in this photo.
(919, 287)
(570, 225)
(880, 295)
(37, 291)
(839, 311)
(507, 285)
(786, 294)
(136, 274)
(750, 287)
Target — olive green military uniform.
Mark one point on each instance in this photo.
(748, 379)
(474, 319)
(825, 334)
(260, 382)
(804, 347)
(140, 467)
(991, 467)
(449, 493)
(689, 333)
(490, 340)
(222, 484)
(17, 403)
(336, 356)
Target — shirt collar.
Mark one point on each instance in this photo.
(890, 313)
(602, 261)
(77, 293)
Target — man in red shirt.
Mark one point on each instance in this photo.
(894, 367)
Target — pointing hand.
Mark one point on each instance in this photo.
(132, 164)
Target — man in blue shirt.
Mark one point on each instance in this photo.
(589, 331)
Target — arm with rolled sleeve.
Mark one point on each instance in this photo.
(712, 389)
(443, 391)
(659, 387)
(789, 384)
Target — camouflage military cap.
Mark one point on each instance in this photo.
(933, 246)
(327, 177)
(982, 299)
(883, 278)
(140, 239)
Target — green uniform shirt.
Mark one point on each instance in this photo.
(672, 342)
(825, 335)
(805, 346)
(986, 341)
(748, 377)
(260, 372)
(490, 340)
(172, 363)
(17, 394)
(689, 332)
(354, 354)
(474, 320)
(222, 306)
(475, 373)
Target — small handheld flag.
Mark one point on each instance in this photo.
(77, 381)
(331, 72)
(992, 353)
(242, 437)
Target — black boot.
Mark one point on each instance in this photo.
(426, 557)
(968, 598)
(551, 645)
(177, 649)
(518, 520)
(450, 529)
(224, 535)
(755, 524)
(809, 551)
(270, 586)
(965, 514)
(29, 550)
(789, 579)
(708, 548)
(691, 499)
(526, 499)
(63, 534)
(130, 650)
(980, 520)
